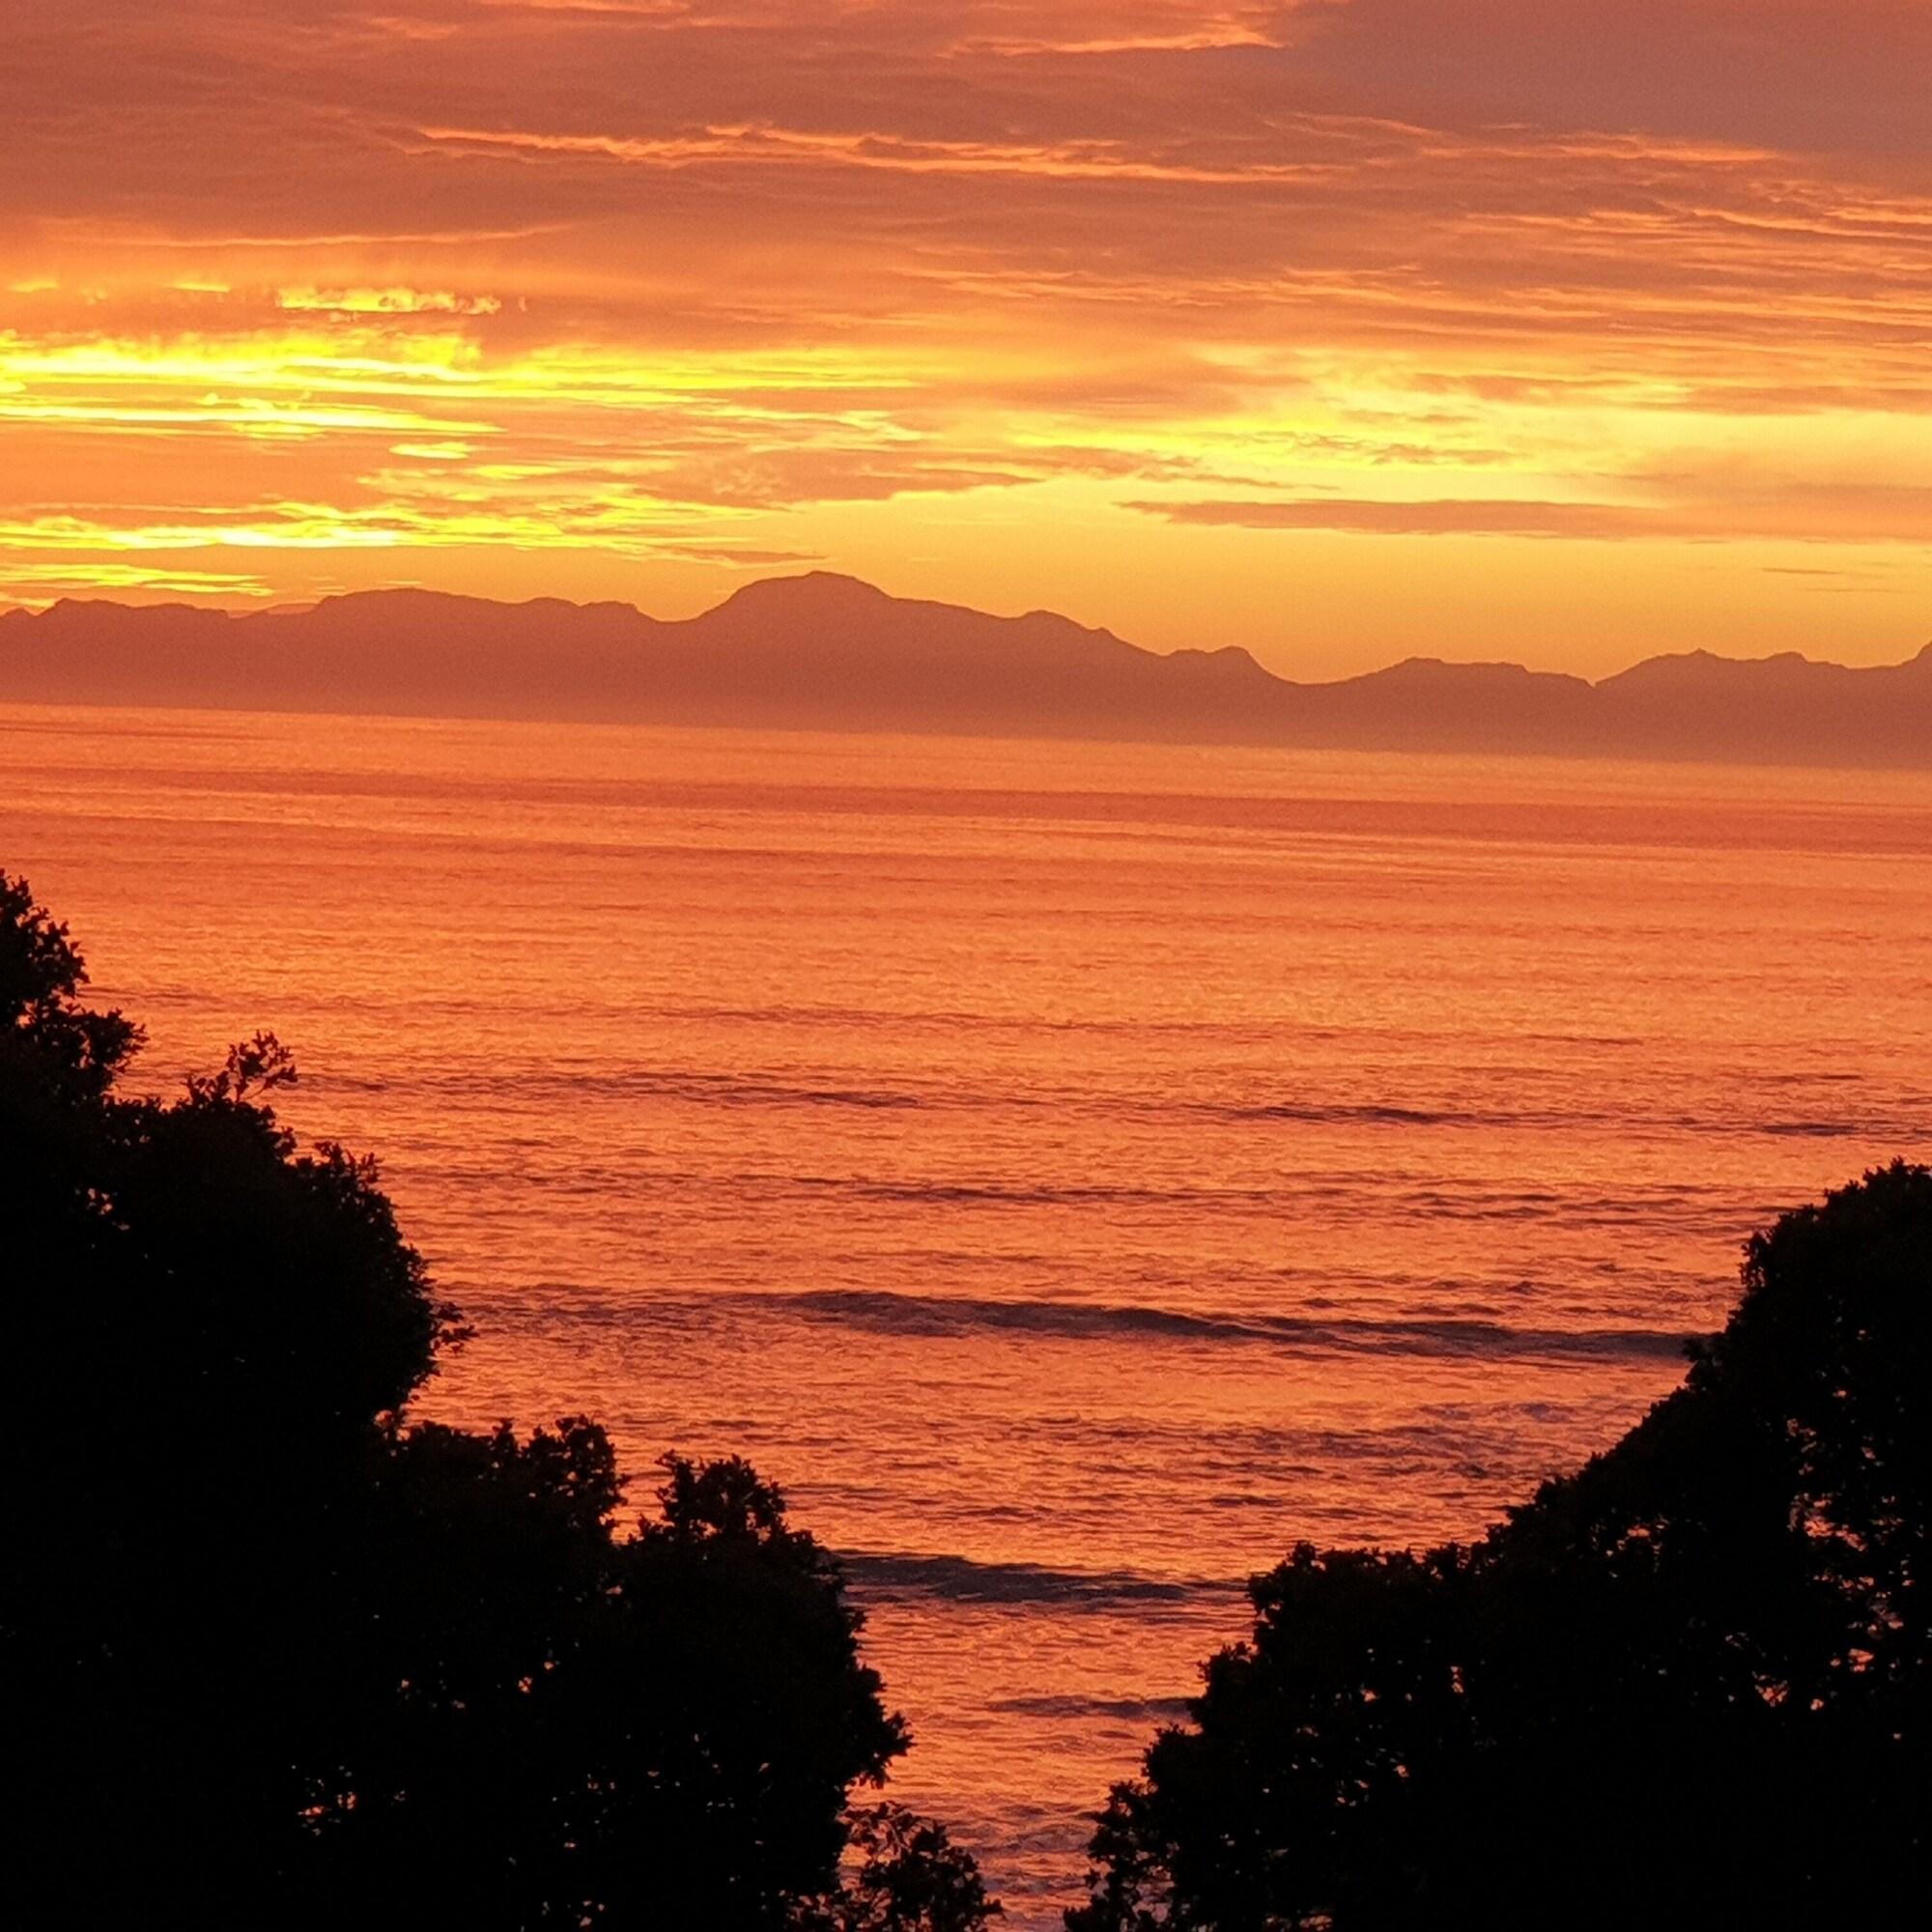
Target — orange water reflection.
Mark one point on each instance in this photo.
(1074, 1172)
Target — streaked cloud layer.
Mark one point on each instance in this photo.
(1339, 329)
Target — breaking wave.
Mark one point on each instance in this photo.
(882, 1311)
(959, 1580)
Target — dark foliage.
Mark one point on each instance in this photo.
(909, 1877)
(1686, 1686)
(272, 1656)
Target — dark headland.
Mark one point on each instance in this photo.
(824, 652)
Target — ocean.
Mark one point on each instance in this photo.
(1074, 1172)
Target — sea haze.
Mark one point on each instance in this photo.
(1074, 1172)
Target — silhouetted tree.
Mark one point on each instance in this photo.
(1686, 1686)
(910, 1876)
(270, 1655)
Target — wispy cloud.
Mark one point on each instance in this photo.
(600, 277)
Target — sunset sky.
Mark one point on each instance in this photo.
(1565, 330)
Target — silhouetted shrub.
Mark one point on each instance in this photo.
(272, 1656)
(907, 1876)
(1686, 1686)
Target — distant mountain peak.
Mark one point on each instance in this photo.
(395, 595)
(1707, 670)
(1443, 670)
(813, 590)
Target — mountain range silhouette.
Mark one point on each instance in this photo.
(827, 652)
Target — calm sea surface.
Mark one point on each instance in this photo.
(1074, 1172)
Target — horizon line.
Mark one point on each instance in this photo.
(38, 610)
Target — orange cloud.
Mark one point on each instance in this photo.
(1818, 514)
(889, 284)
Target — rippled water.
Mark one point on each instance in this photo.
(1074, 1172)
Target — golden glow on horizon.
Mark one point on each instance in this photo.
(1336, 330)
